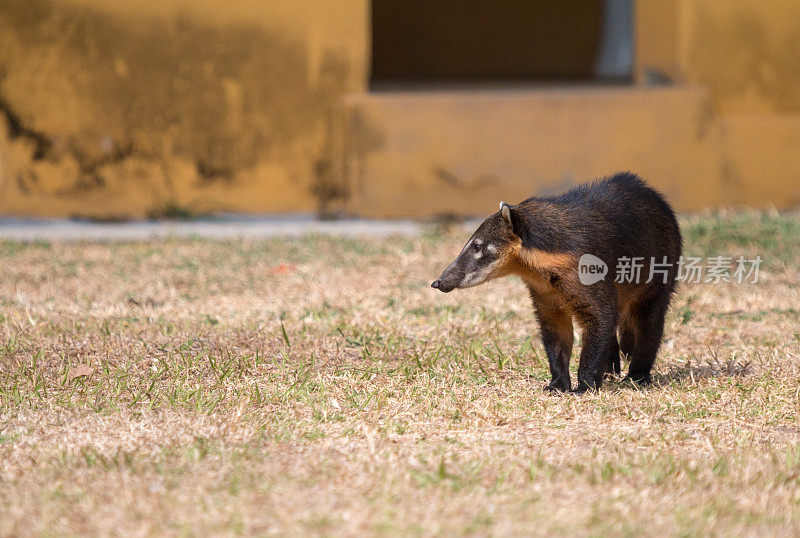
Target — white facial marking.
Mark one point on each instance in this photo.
(477, 277)
(491, 248)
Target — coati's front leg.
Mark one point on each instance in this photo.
(555, 324)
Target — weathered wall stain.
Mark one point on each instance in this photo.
(91, 99)
(470, 184)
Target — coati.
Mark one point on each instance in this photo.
(619, 220)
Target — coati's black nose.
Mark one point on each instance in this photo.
(436, 283)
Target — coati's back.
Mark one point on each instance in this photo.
(610, 218)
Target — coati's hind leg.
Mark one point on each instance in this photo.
(555, 324)
(626, 339)
(614, 367)
(641, 335)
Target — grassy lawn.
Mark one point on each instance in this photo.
(320, 386)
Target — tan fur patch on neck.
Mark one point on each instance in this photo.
(532, 264)
(542, 260)
(526, 261)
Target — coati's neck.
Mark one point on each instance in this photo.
(526, 261)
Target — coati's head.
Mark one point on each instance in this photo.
(488, 254)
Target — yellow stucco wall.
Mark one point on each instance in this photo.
(127, 109)
(713, 120)
(453, 152)
(745, 52)
(747, 55)
(146, 107)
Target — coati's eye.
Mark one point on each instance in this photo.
(476, 247)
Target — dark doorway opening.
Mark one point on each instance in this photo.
(469, 41)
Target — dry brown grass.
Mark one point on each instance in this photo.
(319, 386)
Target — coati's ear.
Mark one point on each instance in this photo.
(505, 210)
(513, 220)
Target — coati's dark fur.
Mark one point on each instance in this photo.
(541, 241)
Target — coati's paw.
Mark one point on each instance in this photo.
(556, 387)
(643, 380)
(587, 386)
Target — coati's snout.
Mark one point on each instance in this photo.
(483, 257)
(449, 279)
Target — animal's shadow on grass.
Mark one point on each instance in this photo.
(690, 373)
